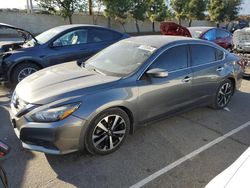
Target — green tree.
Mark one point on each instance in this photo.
(222, 10)
(157, 11)
(64, 8)
(195, 10)
(216, 10)
(232, 9)
(138, 11)
(118, 10)
(180, 9)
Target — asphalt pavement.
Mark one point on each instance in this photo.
(145, 153)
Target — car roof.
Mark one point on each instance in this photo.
(202, 29)
(71, 26)
(159, 41)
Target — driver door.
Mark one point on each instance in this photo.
(158, 96)
(69, 47)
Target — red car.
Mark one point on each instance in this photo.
(219, 36)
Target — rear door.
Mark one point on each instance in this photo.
(161, 95)
(208, 67)
(100, 38)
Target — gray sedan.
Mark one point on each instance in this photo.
(67, 107)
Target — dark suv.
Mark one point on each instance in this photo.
(57, 45)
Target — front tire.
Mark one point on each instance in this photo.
(23, 70)
(107, 131)
(223, 94)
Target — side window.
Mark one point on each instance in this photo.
(220, 34)
(173, 59)
(219, 54)
(202, 54)
(210, 35)
(101, 35)
(72, 38)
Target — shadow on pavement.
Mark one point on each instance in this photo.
(15, 164)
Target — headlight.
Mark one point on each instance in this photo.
(55, 114)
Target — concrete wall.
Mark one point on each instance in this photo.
(37, 23)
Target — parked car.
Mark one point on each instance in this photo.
(171, 28)
(219, 36)
(68, 107)
(236, 175)
(241, 40)
(233, 26)
(57, 45)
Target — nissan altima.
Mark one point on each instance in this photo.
(94, 106)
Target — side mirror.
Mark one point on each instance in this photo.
(4, 149)
(56, 43)
(157, 73)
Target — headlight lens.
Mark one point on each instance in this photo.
(55, 114)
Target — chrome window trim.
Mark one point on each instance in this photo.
(189, 55)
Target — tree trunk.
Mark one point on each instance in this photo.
(109, 22)
(153, 26)
(123, 27)
(179, 21)
(218, 24)
(70, 19)
(90, 7)
(190, 23)
(137, 26)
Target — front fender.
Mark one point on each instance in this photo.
(96, 103)
(12, 64)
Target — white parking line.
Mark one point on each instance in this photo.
(188, 156)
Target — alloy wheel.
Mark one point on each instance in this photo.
(109, 133)
(25, 72)
(224, 94)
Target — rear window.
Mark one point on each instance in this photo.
(202, 54)
(220, 34)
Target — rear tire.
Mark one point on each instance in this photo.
(107, 131)
(223, 94)
(23, 70)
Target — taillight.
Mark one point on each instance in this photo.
(242, 63)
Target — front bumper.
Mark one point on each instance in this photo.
(59, 137)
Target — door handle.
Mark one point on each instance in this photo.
(186, 79)
(219, 69)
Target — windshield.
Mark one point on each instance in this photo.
(47, 35)
(120, 59)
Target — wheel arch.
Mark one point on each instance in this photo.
(12, 68)
(122, 107)
(234, 83)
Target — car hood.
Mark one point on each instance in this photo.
(62, 81)
(26, 35)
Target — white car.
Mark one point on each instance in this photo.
(235, 176)
(241, 40)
